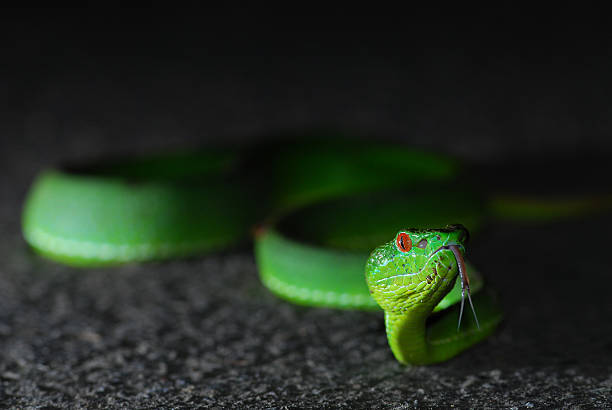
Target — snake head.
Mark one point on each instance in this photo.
(416, 269)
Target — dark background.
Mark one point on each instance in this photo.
(488, 86)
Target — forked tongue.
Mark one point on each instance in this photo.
(465, 284)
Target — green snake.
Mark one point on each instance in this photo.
(319, 212)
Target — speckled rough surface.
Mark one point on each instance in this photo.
(204, 332)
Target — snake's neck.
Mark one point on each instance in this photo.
(408, 331)
(416, 341)
(406, 334)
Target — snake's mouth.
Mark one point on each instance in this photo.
(458, 250)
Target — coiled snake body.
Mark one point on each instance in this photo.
(320, 212)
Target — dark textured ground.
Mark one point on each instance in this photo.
(174, 334)
(204, 332)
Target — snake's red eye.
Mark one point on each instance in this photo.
(404, 243)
